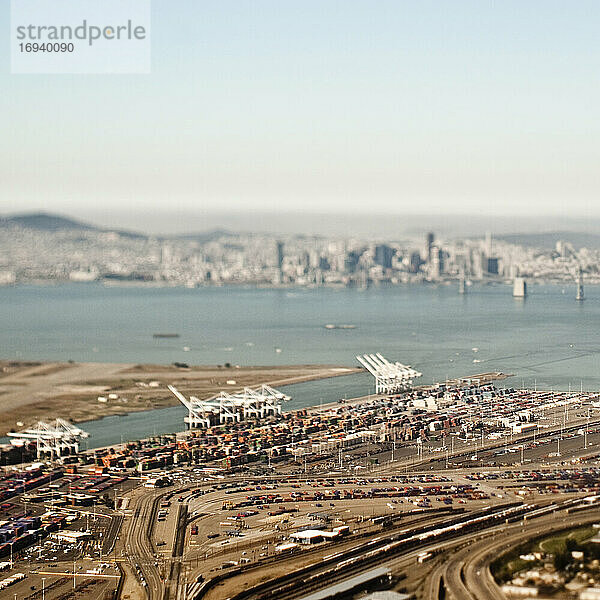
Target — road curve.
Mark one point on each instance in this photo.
(466, 575)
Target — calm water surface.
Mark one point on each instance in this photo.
(548, 339)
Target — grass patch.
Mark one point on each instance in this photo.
(505, 566)
(558, 543)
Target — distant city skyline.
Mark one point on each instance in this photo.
(47, 248)
(355, 107)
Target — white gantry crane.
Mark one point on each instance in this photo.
(390, 378)
(231, 408)
(52, 439)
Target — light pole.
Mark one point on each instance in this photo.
(522, 450)
(43, 588)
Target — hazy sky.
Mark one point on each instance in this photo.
(363, 106)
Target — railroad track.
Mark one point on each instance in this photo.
(139, 547)
(172, 583)
(339, 567)
(451, 577)
(111, 535)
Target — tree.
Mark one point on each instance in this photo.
(561, 560)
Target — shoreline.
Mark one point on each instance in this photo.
(31, 391)
(108, 283)
(282, 383)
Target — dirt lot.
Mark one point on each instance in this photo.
(42, 391)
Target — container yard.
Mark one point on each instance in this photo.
(227, 497)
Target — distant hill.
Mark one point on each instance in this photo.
(49, 222)
(549, 239)
(45, 222)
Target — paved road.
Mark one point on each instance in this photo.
(466, 573)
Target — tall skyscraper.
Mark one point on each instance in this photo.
(430, 240)
(415, 262)
(488, 244)
(441, 258)
(384, 255)
(351, 261)
(280, 255)
(492, 265)
(435, 264)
